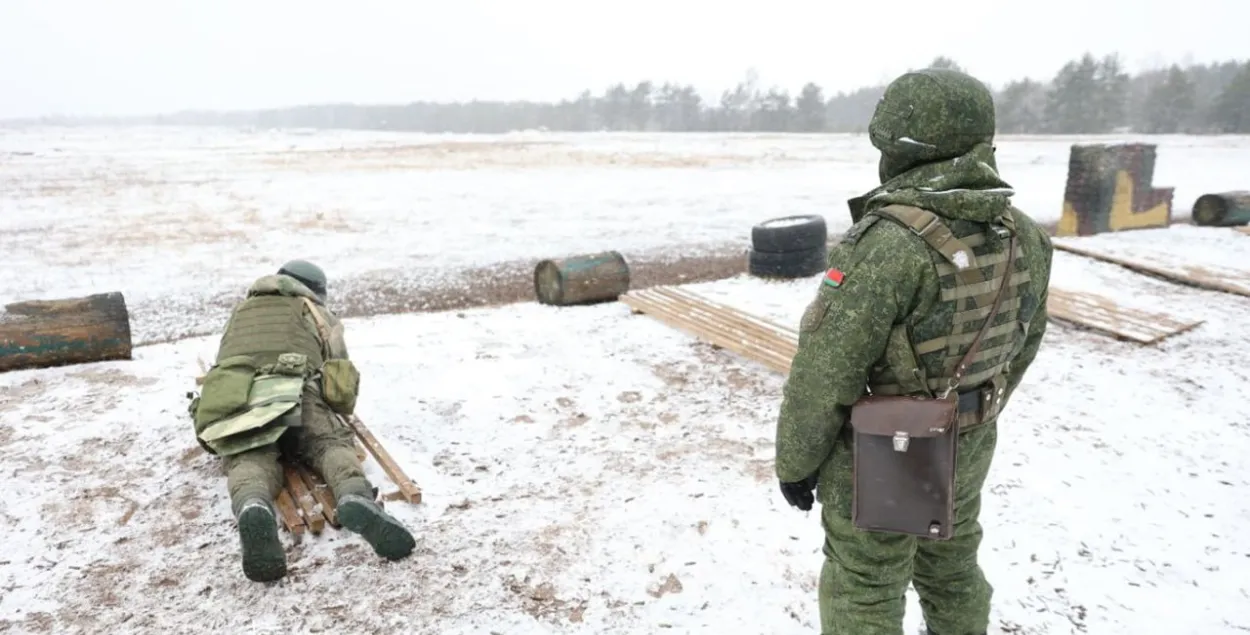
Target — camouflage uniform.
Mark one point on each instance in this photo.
(893, 296)
(274, 319)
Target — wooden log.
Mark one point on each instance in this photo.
(45, 333)
(1109, 189)
(1225, 209)
(587, 279)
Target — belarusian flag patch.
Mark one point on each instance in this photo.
(833, 278)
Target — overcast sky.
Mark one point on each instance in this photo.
(108, 57)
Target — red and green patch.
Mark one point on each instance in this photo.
(833, 278)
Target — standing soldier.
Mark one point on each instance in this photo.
(935, 305)
(280, 383)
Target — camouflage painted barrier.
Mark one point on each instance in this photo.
(1109, 189)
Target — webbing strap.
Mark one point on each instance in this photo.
(935, 233)
(322, 328)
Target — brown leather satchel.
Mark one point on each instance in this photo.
(905, 450)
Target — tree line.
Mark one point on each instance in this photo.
(1088, 95)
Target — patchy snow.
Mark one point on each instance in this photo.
(591, 471)
(1222, 253)
(180, 217)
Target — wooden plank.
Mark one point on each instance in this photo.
(407, 488)
(303, 499)
(1102, 314)
(774, 345)
(290, 517)
(770, 351)
(320, 493)
(753, 338)
(1244, 230)
(1184, 274)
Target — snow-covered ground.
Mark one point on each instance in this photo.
(181, 219)
(591, 471)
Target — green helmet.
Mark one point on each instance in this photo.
(306, 272)
(930, 115)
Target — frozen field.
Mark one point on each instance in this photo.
(182, 219)
(590, 471)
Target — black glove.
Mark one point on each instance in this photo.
(799, 494)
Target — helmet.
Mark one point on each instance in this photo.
(306, 272)
(930, 115)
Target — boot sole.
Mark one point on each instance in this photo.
(389, 539)
(263, 557)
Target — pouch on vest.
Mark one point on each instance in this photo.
(340, 385)
(271, 396)
(225, 390)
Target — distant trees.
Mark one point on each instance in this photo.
(1086, 96)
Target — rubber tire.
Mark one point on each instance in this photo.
(790, 265)
(809, 234)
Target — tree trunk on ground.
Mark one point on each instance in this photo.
(44, 333)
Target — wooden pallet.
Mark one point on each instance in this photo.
(750, 336)
(1232, 281)
(774, 345)
(306, 503)
(1100, 313)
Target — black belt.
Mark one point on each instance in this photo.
(970, 401)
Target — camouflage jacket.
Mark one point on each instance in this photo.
(888, 275)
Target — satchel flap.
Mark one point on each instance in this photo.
(915, 417)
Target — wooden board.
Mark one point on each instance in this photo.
(1099, 313)
(303, 490)
(1244, 230)
(750, 336)
(407, 489)
(774, 345)
(1229, 281)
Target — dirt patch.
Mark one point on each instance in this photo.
(511, 282)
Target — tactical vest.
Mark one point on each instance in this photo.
(266, 326)
(969, 274)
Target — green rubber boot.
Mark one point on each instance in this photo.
(264, 560)
(389, 538)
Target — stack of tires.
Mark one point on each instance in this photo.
(788, 247)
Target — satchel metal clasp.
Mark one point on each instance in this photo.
(901, 441)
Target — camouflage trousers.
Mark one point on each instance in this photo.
(865, 574)
(324, 443)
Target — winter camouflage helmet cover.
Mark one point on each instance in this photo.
(930, 115)
(306, 272)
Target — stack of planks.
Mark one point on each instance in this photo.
(1100, 313)
(306, 502)
(1232, 281)
(774, 345)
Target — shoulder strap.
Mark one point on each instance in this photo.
(322, 328)
(1009, 268)
(933, 231)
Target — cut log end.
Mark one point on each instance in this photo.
(46, 333)
(587, 279)
(1227, 209)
